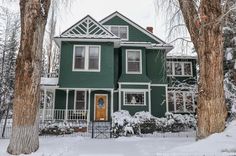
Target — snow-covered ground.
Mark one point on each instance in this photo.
(216, 144)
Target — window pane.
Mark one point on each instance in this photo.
(80, 100)
(189, 102)
(187, 68)
(178, 70)
(123, 32)
(79, 57)
(133, 66)
(179, 102)
(169, 68)
(93, 57)
(171, 101)
(133, 56)
(115, 30)
(134, 98)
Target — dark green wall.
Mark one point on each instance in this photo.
(156, 66)
(134, 34)
(158, 105)
(81, 79)
(60, 100)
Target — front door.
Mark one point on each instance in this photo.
(101, 107)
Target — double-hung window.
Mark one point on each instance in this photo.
(179, 68)
(86, 58)
(133, 61)
(119, 30)
(80, 100)
(134, 98)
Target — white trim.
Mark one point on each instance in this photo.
(106, 106)
(119, 26)
(140, 61)
(119, 100)
(133, 24)
(89, 105)
(85, 98)
(182, 68)
(85, 88)
(134, 83)
(66, 110)
(149, 99)
(112, 101)
(134, 92)
(86, 59)
(159, 85)
(44, 103)
(167, 104)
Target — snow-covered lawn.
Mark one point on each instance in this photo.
(216, 144)
(123, 146)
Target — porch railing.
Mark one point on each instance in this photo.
(62, 114)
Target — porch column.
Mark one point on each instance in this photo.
(66, 111)
(44, 104)
(119, 97)
(112, 92)
(149, 98)
(53, 104)
(88, 111)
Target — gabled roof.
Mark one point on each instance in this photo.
(133, 24)
(88, 28)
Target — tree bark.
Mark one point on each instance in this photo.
(24, 139)
(206, 33)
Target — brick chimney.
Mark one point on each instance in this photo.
(150, 29)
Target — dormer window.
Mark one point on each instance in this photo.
(119, 30)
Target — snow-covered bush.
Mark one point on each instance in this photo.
(124, 124)
(59, 128)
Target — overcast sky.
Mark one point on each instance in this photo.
(143, 12)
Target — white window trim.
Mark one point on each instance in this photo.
(126, 61)
(85, 99)
(134, 92)
(184, 101)
(182, 68)
(86, 59)
(109, 28)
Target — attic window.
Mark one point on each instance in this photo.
(118, 30)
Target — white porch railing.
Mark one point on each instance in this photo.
(62, 114)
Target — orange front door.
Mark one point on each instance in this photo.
(101, 107)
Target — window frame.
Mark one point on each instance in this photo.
(140, 61)
(182, 68)
(86, 59)
(75, 99)
(184, 101)
(124, 26)
(134, 92)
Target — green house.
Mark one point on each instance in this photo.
(111, 65)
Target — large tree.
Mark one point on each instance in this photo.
(24, 137)
(204, 26)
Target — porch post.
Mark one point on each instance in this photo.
(88, 111)
(44, 103)
(112, 92)
(149, 98)
(119, 97)
(66, 111)
(53, 104)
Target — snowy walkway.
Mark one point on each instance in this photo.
(79, 146)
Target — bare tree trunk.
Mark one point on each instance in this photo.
(206, 34)
(24, 137)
